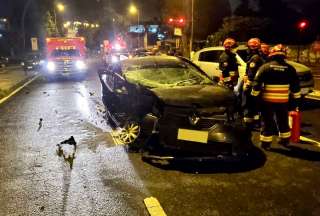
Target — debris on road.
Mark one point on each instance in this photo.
(42, 208)
(67, 155)
(91, 93)
(40, 124)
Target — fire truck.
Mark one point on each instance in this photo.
(65, 57)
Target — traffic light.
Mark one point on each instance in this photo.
(181, 21)
(302, 25)
(176, 21)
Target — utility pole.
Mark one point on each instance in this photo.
(192, 26)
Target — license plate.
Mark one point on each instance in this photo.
(304, 91)
(29, 67)
(193, 135)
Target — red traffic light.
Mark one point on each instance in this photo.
(171, 20)
(303, 25)
(181, 20)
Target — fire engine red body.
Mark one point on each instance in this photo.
(295, 118)
(65, 56)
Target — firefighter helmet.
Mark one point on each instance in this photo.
(265, 49)
(254, 43)
(229, 43)
(278, 50)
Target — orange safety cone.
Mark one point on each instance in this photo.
(295, 125)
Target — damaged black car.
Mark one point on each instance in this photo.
(172, 99)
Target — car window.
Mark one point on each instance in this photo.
(167, 73)
(210, 56)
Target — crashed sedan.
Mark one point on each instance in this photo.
(172, 99)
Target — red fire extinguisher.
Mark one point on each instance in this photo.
(295, 125)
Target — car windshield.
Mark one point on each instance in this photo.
(66, 53)
(163, 73)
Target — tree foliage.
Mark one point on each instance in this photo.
(50, 25)
(240, 28)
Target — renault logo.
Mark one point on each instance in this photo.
(194, 120)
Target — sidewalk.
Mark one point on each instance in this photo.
(11, 78)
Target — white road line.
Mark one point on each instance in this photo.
(18, 89)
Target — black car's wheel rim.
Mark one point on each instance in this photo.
(129, 133)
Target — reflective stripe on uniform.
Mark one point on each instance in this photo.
(248, 120)
(265, 138)
(296, 95)
(226, 79)
(285, 135)
(255, 93)
(232, 73)
(276, 87)
(276, 97)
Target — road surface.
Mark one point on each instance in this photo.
(107, 180)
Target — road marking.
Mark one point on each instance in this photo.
(18, 89)
(305, 139)
(154, 207)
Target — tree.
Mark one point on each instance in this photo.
(244, 9)
(50, 26)
(240, 28)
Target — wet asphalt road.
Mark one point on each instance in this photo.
(107, 180)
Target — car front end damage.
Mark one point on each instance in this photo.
(186, 134)
(197, 132)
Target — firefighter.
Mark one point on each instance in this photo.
(276, 81)
(265, 50)
(228, 64)
(254, 62)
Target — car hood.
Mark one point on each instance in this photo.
(300, 68)
(201, 96)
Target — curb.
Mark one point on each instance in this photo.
(18, 87)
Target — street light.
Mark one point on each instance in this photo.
(60, 7)
(134, 11)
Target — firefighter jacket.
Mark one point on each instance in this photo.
(254, 62)
(229, 66)
(276, 81)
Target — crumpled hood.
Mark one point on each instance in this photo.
(201, 96)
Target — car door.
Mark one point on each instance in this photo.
(208, 61)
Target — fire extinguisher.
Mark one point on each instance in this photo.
(295, 125)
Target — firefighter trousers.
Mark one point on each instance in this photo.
(250, 107)
(275, 119)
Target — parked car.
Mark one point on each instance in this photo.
(208, 60)
(32, 61)
(175, 99)
(4, 61)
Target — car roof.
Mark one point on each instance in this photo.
(151, 59)
(241, 47)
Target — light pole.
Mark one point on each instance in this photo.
(134, 10)
(61, 8)
(192, 26)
